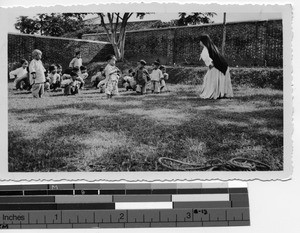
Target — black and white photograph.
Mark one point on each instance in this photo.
(146, 91)
(105, 103)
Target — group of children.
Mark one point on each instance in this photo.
(136, 80)
(141, 77)
(37, 79)
(74, 78)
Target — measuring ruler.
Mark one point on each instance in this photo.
(124, 205)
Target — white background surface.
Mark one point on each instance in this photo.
(274, 205)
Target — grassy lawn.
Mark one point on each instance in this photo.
(87, 132)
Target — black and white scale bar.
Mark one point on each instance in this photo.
(120, 189)
(123, 205)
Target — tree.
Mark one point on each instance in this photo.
(195, 18)
(116, 29)
(54, 24)
(26, 25)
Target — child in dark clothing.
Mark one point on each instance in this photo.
(99, 76)
(141, 77)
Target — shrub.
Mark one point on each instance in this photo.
(251, 77)
(257, 77)
(240, 76)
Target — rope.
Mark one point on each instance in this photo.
(234, 164)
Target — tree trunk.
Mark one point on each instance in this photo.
(122, 34)
(122, 48)
(117, 51)
(224, 34)
(116, 39)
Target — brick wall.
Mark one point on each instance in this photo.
(253, 43)
(55, 50)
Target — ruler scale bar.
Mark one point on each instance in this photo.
(166, 215)
(123, 205)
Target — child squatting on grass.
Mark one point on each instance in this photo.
(82, 76)
(112, 77)
(141, 77)
(156, 76)
(59, 69)
(164, 78)
(54, 78)
(99, 76)
(19, 74)
(128, 81)
(37, 74)
(72, 88)
(67, 76)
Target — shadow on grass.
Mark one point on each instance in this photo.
(208, 132)
(256, 135)
(46, 154)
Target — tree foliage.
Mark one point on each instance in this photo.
(27, 25)
(195, 18)
(54, 24)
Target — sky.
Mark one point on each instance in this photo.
(230, 17)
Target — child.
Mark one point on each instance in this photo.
(54, 78)
(141, 77)
(72, 88)
(47, 81)
(99, 76)
(59, 69)
(156, 75)
(76, 61)
(82, 76)
(164, 78)
(112, 77)
(37, 74)
(129, 82)
(19, 74)
(101, 86)
(66, 77)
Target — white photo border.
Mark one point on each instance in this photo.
(286, 174)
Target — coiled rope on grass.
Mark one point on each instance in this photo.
(234, 164)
